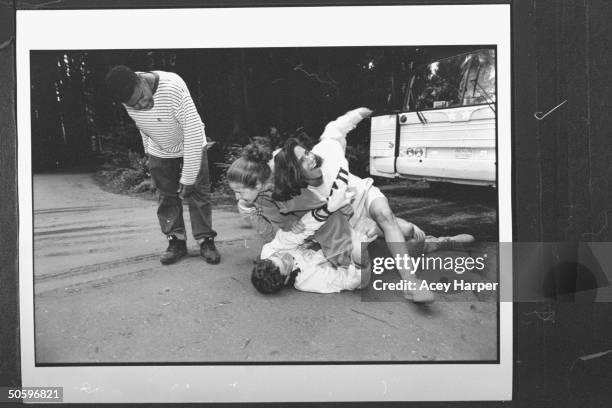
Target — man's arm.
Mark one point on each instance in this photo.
(194, 137)
(145, 142)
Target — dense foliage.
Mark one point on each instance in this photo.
(239, 93)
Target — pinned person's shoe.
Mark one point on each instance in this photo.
(209, 252)
(177, 248)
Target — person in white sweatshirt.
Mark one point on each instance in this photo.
(298, 170)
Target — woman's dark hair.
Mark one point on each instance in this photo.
(304, 140)
(288, 178)
(121, 82)
(252, 167)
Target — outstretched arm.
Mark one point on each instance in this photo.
(332, 144)
(338, 129)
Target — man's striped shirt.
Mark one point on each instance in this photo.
(172, 128)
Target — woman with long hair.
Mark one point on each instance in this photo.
(250, 177)
(299, 170)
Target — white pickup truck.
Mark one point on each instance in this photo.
(446, 130)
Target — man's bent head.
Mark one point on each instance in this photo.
(127, 87)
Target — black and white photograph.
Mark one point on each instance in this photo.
(115, 265)
(312, 202)
(204, 210)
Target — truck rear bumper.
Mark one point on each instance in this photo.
(478, 172)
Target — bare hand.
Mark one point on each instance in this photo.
(419, 235)
(371, 233)
(185, 191)
(409, 232)
(245, 204)
(365, 231)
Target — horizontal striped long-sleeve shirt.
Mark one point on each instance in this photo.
(172, 128)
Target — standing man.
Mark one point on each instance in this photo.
(174, 140)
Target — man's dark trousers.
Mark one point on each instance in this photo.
(166, 174)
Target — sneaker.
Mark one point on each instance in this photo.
(177, 248)
(419, 295)
(209, 252)
(460, 241)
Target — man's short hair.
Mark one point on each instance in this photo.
(121, 82)
(266, 277)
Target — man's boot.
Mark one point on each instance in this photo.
(209, 252)
(177, 248)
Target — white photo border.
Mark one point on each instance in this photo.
(247, 28)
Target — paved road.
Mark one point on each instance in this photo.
(103, 296)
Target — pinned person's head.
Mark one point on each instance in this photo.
(296, 167)
(248, 175)
(129, 88)
(271, 275)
